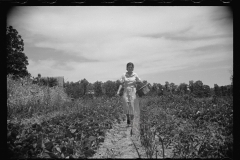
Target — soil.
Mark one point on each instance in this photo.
(119, 143)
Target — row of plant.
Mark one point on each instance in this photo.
(75, 134)
(193, 129)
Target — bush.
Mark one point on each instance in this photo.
(110, 88)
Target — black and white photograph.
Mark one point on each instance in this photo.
(119, 82)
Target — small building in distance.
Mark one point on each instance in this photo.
(60, 81)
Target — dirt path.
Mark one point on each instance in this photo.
(119, 143)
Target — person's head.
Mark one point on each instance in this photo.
(39, 75)
(130, 67)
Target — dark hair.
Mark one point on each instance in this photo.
(130, 64)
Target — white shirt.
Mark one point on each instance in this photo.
(129, 80)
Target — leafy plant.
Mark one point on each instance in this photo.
(195, 129)
(76, 133)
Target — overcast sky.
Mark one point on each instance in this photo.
(175, 43)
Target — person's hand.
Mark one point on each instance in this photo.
(117, 94)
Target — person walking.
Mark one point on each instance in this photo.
(130, 101)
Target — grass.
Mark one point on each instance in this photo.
(25, 99)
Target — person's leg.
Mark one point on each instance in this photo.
(128, 107)
(132, 117)
(128, 111)
(131, 111)
(128, 119)
(125, 106)
(136, 126)
(132, 108)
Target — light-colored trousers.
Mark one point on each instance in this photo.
(131, 106)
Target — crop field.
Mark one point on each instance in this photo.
(55, 127)
(192, 128)
(76, 133)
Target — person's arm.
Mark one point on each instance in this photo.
(138, 79)
(119, 89)
(121, 85)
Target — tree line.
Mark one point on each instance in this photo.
(109, 88)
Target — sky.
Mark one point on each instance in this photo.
(165, 43)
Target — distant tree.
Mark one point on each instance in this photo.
(84, 83)
(167, 87)
(191, 86)
(89, 87)
(160, 89)
(74, 90)
(172, 87)
(182, 88)
(224, 90)
(207, 91)
(217, 90)
(97, 87)
(67, 86)
(154, 89)
(17, 61)
(78, 90)
(229, 90)
(110, 88)
(198, 89)
(212, 92)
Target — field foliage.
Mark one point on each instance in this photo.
(44, 123)
(25, 98)
(193, 128)
(76, 133)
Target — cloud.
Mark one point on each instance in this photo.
(96, 43)
(179, 37)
